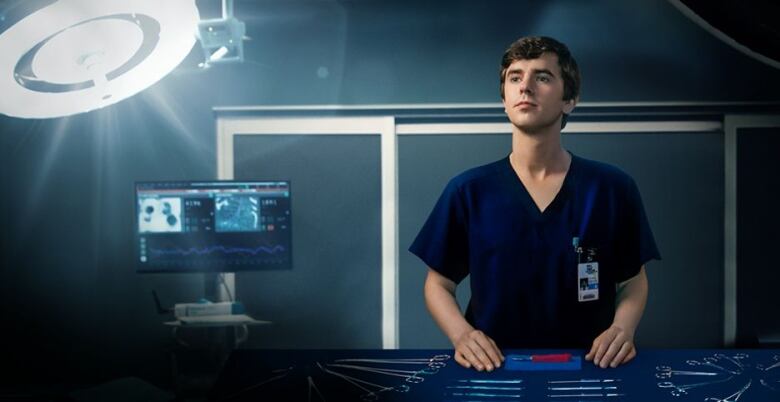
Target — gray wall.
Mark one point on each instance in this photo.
(332, 298)
(76, 310)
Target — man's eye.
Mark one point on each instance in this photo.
(514, 79)
(543, 78)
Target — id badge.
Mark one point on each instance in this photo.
(588, 281)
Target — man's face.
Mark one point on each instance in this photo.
(533, 94)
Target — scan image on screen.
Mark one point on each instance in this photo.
(213, 226)
(237, 213)
(159, 215)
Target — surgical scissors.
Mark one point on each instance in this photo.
(260, 384)
(762, 368)
(733, 397)
(710, 361)
(765, 383)
(683, 389)
(370, 395)
(314, 387)
(667, 372)
(735, 359)
(437, 361)
(409, 376)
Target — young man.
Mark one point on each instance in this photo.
(555, 244)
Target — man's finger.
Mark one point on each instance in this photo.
(612, 350)
(621, 355)
(468, 353)
(500, 354)
(490, 351)
(472, 358)
(606, 339)
(462, 360)
(483, 361)
(631, 354)
(603, 345)
(593, 349)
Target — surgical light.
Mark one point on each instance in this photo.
(74, 56)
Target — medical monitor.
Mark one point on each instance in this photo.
(212, 226)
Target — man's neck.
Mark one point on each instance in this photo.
(539, 155)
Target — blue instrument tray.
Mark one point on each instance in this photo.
(526, 365)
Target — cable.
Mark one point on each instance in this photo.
(227, 289)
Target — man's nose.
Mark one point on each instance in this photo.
(526, 86)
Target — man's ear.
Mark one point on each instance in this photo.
(568, 106)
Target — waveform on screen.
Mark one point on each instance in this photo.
(217, 249)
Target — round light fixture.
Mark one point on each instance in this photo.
(74, 56)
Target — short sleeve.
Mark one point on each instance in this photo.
(442, 243)
(636, 242)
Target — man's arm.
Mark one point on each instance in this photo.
(472, 347)
(616, 345)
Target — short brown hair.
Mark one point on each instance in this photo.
(532, 47)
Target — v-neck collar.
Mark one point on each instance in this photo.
(528, 201)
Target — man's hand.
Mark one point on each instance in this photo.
(613, 347)
(474, 348)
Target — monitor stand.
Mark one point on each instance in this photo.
(214, 290)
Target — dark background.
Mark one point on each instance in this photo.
(76, 313)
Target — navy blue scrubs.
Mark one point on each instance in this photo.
(521, 260)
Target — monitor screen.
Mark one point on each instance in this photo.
(213, 226)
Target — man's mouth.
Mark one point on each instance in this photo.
(525, 104)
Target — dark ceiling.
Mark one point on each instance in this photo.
(754, 24)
